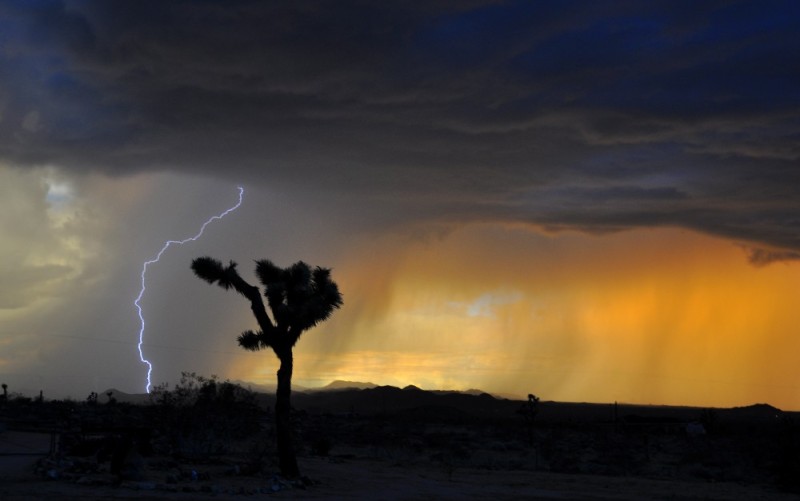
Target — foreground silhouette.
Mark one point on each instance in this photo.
(298, 297)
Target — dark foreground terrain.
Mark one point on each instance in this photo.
(206, 439)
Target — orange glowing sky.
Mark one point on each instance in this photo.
(650, 316)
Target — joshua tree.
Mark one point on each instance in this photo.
(5, 391)
(529, 412)
(298, 297)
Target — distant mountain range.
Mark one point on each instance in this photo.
(411, 402)
(337, 386)
(334, 386)
(340, 384)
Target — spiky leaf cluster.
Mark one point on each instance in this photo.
(212, 271)
(252, 341)
(299, 296)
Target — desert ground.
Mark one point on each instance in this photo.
(370, 478)
(388, 443)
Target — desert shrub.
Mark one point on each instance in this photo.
(202, 416)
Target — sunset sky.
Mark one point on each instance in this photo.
(588, 201)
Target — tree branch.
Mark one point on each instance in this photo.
(212, 271)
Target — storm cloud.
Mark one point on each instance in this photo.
(595, 116)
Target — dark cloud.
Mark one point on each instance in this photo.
(602, 115)
(763, 257)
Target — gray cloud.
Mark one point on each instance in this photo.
(763, 257)
(599, 116)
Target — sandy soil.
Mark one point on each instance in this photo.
(355, 477)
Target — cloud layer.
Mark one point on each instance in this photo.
(599, 116)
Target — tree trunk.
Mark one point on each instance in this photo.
(283, 416)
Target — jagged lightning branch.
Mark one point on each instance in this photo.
(155, 260)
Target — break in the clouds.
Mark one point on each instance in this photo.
(598, 116)
(39, 251)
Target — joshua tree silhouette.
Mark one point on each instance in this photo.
(298, 297)
(5, 391)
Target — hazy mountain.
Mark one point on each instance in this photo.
(266, 388)
(345, 385)
(122, 397)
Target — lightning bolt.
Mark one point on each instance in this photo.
(155, 260)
